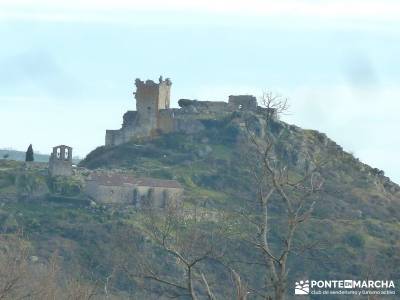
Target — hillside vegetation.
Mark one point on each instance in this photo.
(353, 233)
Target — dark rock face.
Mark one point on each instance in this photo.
(196, 106)
(186, 102)
(129, 118)
(243, 102)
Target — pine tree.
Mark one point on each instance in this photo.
(29, 154)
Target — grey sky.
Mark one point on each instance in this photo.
(67, 69)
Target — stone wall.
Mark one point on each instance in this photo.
(139, 196)
(114, 137)
(126, 134)
(160, 197)
(167, 121)
(109, 194)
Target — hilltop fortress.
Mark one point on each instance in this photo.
(154, 116)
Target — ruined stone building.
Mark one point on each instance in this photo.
(112, 187)
(153, 114)
(60, 162)
(119, 188)
(151, 100)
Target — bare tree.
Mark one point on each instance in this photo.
(13, 266)
(274, 181)
(188, 245)
(241, 288)
(77, 289)
(22, 278)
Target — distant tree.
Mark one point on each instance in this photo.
(5, 156)
(29, 153)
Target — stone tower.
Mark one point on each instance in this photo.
(150, 98)
(152, 115)
(60, 163)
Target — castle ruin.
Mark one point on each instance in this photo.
(151, 99)
(154, 116)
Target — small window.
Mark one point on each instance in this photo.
(150, 197)
(165, 198)
(58, 153)
(135, 197)
(66, 154)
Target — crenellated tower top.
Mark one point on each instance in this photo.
(151, 95)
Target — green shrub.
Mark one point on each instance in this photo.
(65, 186)
(354, 240)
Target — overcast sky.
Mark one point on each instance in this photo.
(67, 68)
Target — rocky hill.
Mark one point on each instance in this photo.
(355, 219)
(354, 228)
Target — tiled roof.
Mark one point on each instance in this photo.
(120, 179)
